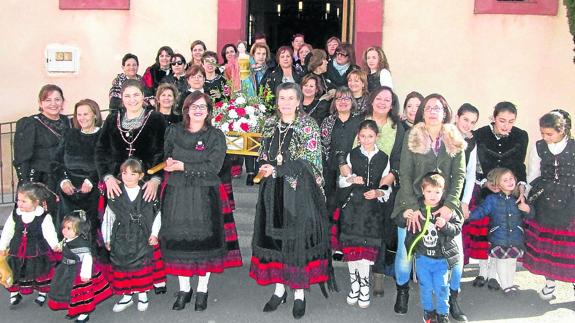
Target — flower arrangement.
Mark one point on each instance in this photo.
(240, 112)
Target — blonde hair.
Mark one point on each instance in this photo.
(494, 177)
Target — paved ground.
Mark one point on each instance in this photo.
(234, 297)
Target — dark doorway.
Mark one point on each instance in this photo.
(280, 19)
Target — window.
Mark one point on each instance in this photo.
(94, 4)
(517, 7)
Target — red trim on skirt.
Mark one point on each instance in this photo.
(40, 283)
(159, 275)
(133, 281)
(549, 252)
(353, 253)
(84, 296)
(274, 272)
(334, 233)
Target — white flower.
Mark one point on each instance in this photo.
(224, 127)
(233, 114)
(240, 100)
(250, 110)
(262, 108)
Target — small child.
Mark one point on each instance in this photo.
(362, 211)
(130, 230)
(76, 287)
(28, 239)
(435, 249)
(506, 211)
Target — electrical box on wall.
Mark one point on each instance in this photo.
(62, 59)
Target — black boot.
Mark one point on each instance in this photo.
(201, 302)
(250, 179)
(454, 309)
(181, 299)
(274, 302)
(402, 299)
(298, 310)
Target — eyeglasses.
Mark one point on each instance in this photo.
(177, 63)
(433, 109)
(197, 77)
(342, 54)
(343, 98)
(198, 107)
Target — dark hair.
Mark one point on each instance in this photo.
(290, 86)
(368, 124)
(504, 107)
(467, 107)
(195, 69)
(446, 108)
(32, 191)
(223, 52)
(318, 84)
(557, 119)
(95, 110)
(255, 46)
(411, 95)
(47, 89)
(329, 40)
(131, 83)
(211, 54)
(314, 59)
(281, 50)
(433, 179)
(133, 164)
(393, 113)
(79, 223)
(259, 35)
(166, 49)
(342, 91)
(190, 99)
(163, 88)
(294, 36)
(181, 57)
(130, 56)
(347, 48)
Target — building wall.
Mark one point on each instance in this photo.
(103, 37)
(442, 46)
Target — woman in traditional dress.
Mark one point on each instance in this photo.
(130, 66)
(291, 242)
(157, 72)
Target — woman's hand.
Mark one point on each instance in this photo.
(267, 169)
(412, 218)
(86, 187)
(174, 165)
(112, 187)
(150, 190)
(68, 188)
(443, 212)
(521, 194)
(108, 246)
(344, 170)
(355, 180)
(3, 253)
(465, 209)
(372, 194)
(153, 240)
(440, 222)
(521, 205)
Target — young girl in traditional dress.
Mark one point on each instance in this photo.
(362, 210)
(28, 239)
(550, 236)
(130, 230)
(506, 211)
(76, 286)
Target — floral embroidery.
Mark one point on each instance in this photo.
(200, 146)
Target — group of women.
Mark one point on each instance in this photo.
(322, 97)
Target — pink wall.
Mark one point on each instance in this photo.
(368, 25)
(231, 21)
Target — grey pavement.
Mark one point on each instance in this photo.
(234, 297)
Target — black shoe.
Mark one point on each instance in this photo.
(479, 281)
(429, 317)
(454, 309)
(160, 290)
(40, 300)
(441, 318)
(68, 317)
(250, 180)
(337, 256)
(201, 302)
(298, 308)
(181, 299)
(492, 284)
(83, 321)
(378, 285)
(402, 299)
(16, 299)
(274, 302)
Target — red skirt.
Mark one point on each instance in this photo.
(84, 296)
(550, 251)
(133, 281)
(474, 233)
(265, 273)
(232, 257)
(40, 283)
(334, 231)
(353, 253)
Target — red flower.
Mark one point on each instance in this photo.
(227, 90)
(231, 126)
(218, 118)
(241, 112)
(245, 127)
(231, 106)
(307, 129)
(219, 104)
(312, 145)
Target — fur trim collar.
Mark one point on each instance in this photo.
(420, 141)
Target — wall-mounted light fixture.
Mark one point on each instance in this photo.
(279, 9)
(300, 6)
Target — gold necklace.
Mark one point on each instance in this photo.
(279, 157)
